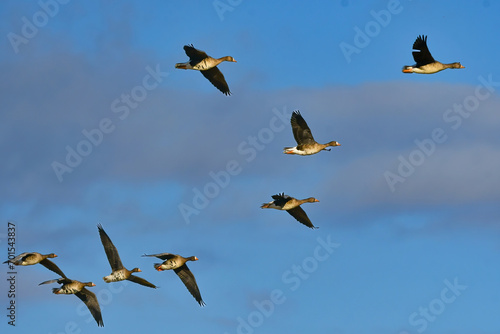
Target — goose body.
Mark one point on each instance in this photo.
(292, 206)
(306, 145)
(120, 275)
(31, 258)
(119, 272)
(425, 63)
(200, 61)
(77, 288)
(177, 263)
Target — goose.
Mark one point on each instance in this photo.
(119, 272)
(292, 206)
(425, 63)
(31, 258)
(306, 145)
(200, 61)
(77, 288)
(178, 264)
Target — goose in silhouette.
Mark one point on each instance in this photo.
(31, 258)
(119, 272)
(178, 264)
(77, 288)
(200, 61)
(425, 63)
(292, 206)
(306, 145)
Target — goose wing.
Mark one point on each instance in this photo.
(18, 259)
(189, 281)
(301, 131)
(52, 266)
(281, 199)
(301, 216)
(163, 256)
(141, 281)
(215, 76)
(195, 55)
(89, 298)
(110, 249)
(423, 55)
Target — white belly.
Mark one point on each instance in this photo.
(115, 276)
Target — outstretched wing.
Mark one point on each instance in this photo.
(215, 76)
(89, 298)
(301, 131)
(423, 57)
(110, 249)
(18, 258)
(163, 256)
(63, 280)
(49, 281)
(301, 216)
(189, 281)
(141, 281)
(52, 266)
(195, 55)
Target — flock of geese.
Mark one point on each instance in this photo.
(173, 262)
(306, 145)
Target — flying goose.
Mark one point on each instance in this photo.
(292, 206)
(425, 63)
(200, 61)
(178, 264)
(306, 145)
(31, 258)
(119, 272)
(77, 288)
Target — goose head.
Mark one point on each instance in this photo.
(229, 58)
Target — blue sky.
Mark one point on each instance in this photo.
(408, 215)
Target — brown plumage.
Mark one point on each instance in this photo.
(425, 63)
(119, 272)
(306, 145)
(31, 258)
(77, 288)
(292, 206)
(200, 61)
(178, 264)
